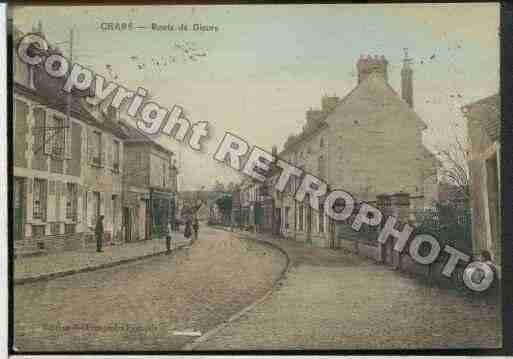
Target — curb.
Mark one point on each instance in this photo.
(190, 346)
(50, 276)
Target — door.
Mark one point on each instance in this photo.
(331, 233)
(309, 223)
(148, 222)
(277, 230)
(127, 224)
(19, 201)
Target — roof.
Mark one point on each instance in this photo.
(134, 135)
(55, 102)
(370, 83)
(487, 111)
(48, 91)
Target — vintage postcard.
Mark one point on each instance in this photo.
(256, 177)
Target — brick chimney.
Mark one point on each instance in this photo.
(371, 64)
(407, 80)
(328, 103)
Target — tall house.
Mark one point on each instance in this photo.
(368, 143)
(66, 164)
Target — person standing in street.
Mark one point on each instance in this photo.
(168, 237)
(98, 231)
(195, 226)
(187, 231)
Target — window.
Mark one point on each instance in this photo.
(287, 210)
(57, 136)
(71, 200)
(115, 156)
(321, 142)
(321, 218)
(39, 198)
(96, 148)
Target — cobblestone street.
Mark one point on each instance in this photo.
(332, 300)
(327, 300)
(139, 305)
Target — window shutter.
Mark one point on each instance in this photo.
(109, 148)
(103, 149)
(43, 138)
(75, 203)
(90, 205)
(52, 191)
(90, 145)
(67, 139)
(44, 196)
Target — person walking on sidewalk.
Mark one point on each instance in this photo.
(195, 226)
(98, 231)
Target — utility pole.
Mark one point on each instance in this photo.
(71, 62)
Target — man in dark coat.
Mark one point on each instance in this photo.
(187, 231)
(98, 231)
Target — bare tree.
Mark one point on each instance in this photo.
(454, 155)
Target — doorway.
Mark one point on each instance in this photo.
(19, 205)
(127, 225)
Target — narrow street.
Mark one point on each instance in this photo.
(139, 305)
(327, 300)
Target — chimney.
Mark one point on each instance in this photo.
(407, 80)
(328, 103)
(368, 64)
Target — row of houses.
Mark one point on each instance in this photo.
(369, 143)
(73, 162)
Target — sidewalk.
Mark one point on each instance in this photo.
(30, 269)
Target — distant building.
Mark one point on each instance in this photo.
(484, 133)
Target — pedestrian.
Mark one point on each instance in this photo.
(168, 237)
(187, 231)
(98, 231)
(195, 226)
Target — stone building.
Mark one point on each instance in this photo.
(66, 164)
(150, 187)
(368, 143)
(73, 162)
(484, 133)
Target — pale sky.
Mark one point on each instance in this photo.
(268, 64)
